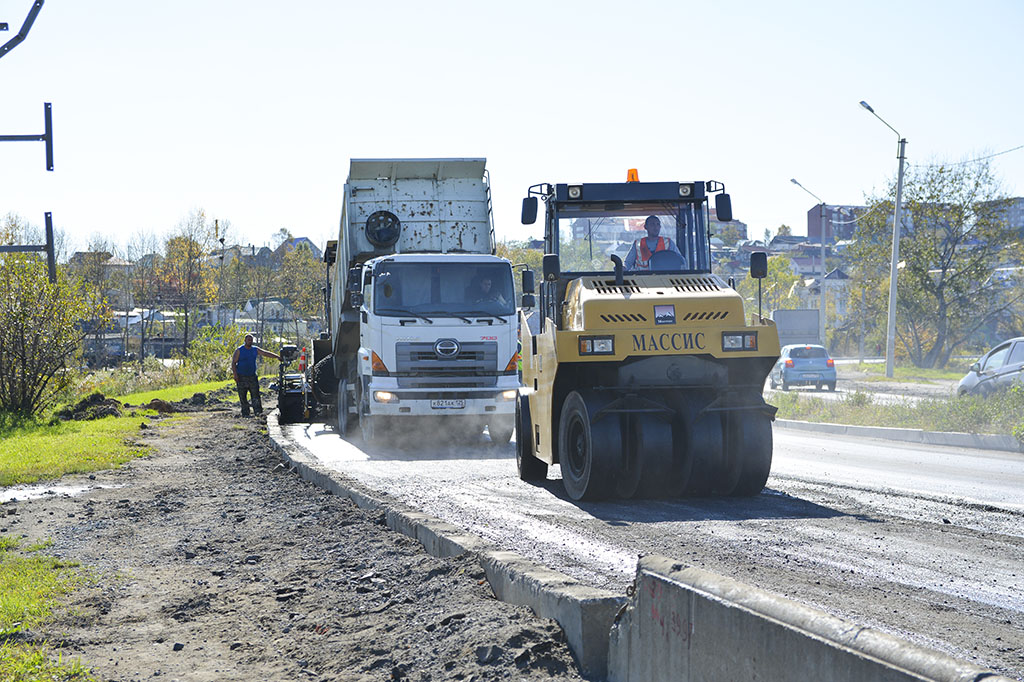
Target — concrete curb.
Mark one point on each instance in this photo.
(584, 613)
(685, 623)
(977, 441)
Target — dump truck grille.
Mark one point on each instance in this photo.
(474, 365)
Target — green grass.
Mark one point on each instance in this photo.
(32, 451)
(173, 393)
(876, 372)
(30, 587)
(1002, 413)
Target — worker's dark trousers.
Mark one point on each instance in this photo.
(250, 385)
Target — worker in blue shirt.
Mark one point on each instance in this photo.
(243, 367)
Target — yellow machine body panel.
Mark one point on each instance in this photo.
(671, 315)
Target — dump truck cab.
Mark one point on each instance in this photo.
(641, 375)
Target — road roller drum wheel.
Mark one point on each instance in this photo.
(587, 451)
(530, 468)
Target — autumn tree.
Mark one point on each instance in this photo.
(300, 279)
(185, 273)
(955, 236)
(143, 276)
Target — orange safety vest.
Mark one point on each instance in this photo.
(643, 253)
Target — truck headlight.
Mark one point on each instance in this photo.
(510, 394)
(385, 397)
(597, 345)
(739, 340)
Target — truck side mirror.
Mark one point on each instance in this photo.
(552, 270)
(528, 284)
(529, 210)
(529, 301)
(355, 279)
(759, 265)
(723, 207)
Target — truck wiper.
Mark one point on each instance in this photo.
(402, 311)
(487, 314)
(447, 314)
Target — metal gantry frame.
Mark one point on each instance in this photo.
(46, 136)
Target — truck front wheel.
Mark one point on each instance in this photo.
(341, 399)
(500, 430)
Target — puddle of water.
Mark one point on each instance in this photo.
(34, 492)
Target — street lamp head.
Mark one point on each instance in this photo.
(793, 180)
(867, 106)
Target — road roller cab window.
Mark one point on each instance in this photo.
(647, 236)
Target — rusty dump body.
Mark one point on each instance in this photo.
(644, 381)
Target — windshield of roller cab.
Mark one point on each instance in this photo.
(442, 289)
(647, 236)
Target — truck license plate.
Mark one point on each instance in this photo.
(448, 404)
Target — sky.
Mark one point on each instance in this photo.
(251, 110)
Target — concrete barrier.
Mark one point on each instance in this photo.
(684, 623)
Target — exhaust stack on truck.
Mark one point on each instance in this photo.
(421, 313)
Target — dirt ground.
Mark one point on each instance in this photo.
(211, 561)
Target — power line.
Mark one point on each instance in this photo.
(964, 163)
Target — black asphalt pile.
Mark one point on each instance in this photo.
(93, 406)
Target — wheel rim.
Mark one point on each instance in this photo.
(577, 447)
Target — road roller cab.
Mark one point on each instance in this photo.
(641, 375)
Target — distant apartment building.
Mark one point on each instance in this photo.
(839, 223)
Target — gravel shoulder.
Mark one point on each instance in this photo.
(209, 560)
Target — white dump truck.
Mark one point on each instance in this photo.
(423, 332)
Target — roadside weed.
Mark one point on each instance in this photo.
(30, 586)
(38, 664)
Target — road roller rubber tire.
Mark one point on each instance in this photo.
(530, 468)
(651, 437)
(752, 435)
(588, 452)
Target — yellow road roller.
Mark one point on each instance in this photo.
(642, 377)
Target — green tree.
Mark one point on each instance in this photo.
(784, 231)
(40, 329)
(520, 254)
(779, 289)
(954, 238)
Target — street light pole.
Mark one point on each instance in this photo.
(821, 283)
(890, 332)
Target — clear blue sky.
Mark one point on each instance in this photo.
(251, 109)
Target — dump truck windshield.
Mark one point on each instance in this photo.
(442, 289)
(648, 237)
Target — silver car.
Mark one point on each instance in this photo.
(997, 369)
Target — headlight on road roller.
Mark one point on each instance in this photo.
(597, 345)
(739, 340)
